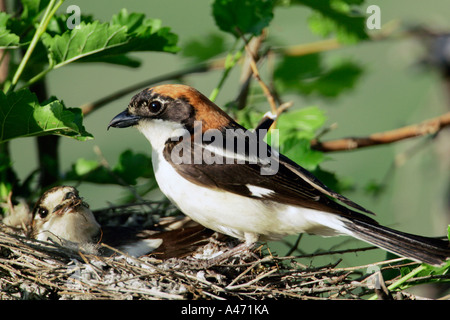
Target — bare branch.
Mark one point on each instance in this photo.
(296, 50)
(426, 127)
(256, 74)
(92, 106)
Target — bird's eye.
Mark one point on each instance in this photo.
(42, 212)
(69, 195)
(155, 106)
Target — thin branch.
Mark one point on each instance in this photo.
(92, 106)
(313, 255)
(331, 44)
(247, 73)
(230, 61)
(4, 54)
(49, 13)
(296, 50)
(256, 74)
(259, 277)
(430, 126)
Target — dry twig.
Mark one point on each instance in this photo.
(431, 126)
(31, 269)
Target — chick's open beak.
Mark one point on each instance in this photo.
(70, 202)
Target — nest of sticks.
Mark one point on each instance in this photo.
(32, 269)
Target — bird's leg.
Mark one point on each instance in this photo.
(244, 247)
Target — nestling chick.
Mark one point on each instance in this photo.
(60, 213)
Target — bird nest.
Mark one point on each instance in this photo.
(32, 269)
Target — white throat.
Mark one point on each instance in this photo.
(159, 131)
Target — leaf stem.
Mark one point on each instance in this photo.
(39, 76)
(256, 74)
(408, 276)
(230, 62)
(403, 279)
(49, 13)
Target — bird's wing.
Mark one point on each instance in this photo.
(248, 174)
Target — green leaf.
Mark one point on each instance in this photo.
(100, 42)
(81, 168)
(32, 9)
(145, 34)
(132, 166)
(338, 184)
(7, 177)
(340, 78)
(205, 48)
(247, 117)
(89, 39)
(249, 16)
(7, 38)
(58, 25)
(129, 168)
(21, 115)
(31, 13)
(295, 131)
(374, 188)
(308, 75)
(299, 150)
(426, 271)
(90, 171)
(302, 123)
(121, 60)
(337, 17)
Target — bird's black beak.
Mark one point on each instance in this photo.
(123, 120)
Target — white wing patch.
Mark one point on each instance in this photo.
(259, 191)
(139, 248)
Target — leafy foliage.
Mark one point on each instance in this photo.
(296, 130)
(206, 48)
(49, 44)
(247, 16)
(129, 168)
(7, 38)
(95, 41)
(308, 75)
(87, 40)
(22, 116)
(337, 17)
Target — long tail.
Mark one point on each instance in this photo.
(422, 249)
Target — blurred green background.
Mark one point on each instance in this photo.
(394, 91)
